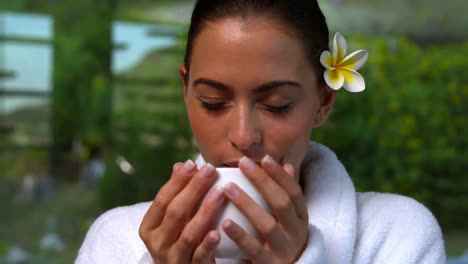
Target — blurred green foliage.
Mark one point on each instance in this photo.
(420, 20)
(407, 133)
(150, 129)
(82, 94)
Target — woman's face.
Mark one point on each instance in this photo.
(251, 91)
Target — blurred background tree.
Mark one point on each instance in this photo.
(82, 63)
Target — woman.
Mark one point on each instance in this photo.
(255, 89)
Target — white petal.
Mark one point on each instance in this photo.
(326, 60)
(355, 60)
(334, 79)
(339, 48)
(353, 81)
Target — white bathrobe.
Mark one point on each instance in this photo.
(344, 226)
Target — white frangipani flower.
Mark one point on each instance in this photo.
(341, 71)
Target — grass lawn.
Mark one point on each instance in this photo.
(69, 212)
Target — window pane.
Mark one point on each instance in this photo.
(31, 65)
(135, 41)
(26, 25)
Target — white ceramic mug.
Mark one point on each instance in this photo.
(228, 248)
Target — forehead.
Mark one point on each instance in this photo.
(255, 49)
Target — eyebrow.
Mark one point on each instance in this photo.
(260, 89)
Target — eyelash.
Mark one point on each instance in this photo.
(213, 107)
(274, 109)
(278, 109)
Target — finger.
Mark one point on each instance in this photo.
(205, 251)
(181, 175)
(180, 209)
(199, 225)
(288, 184)
(152, 217)
(247, 243)
(263, 222)
(278, 199)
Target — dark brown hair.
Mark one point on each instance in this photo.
(304, 17)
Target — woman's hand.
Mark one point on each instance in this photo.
(169, 232)
(285, 232)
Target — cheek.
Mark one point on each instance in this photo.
(290, 137)
(196, 120)
(206, 134)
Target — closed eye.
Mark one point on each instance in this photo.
(212, 106)
(217, 106)
(278, 109)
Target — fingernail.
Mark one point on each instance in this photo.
(207, 170)
(189, 166)
(268, 161)
(229, 226)
(217, 194)
(247, 164)
(232, 190)
(176, 166)
(214, 237)
(289, 169)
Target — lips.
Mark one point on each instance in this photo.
(231, 164)
(235, 164)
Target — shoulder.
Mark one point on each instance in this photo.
(394, 208)
(396, 227)
(124, 218)
(114, 234)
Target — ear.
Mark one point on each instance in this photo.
(183, 77)
(327, 100)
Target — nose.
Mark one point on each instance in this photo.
(245, 131)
